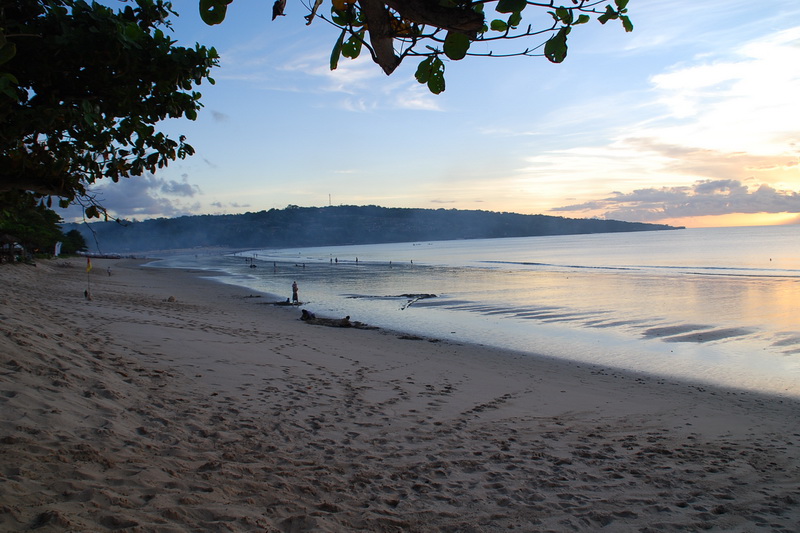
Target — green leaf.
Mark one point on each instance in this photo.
(436, 83)
(626, 23)
(337, 51)
(514, 19)
(582, 19)
(8, 51)
(423, 73)
(555, 49)
(352, 48)
(610, 14)
(133, 32)
(431, 72)
(456, 45)
(213, 11)
(498, 25)
(343, 17)
(338, 17)
(564, 15)
(510, 6)
(621, 4)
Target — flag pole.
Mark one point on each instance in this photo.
(88, 293)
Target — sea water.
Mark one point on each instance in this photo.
(712, 305)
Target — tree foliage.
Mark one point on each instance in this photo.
(36, 227)
(438, 30)
(82, 87)
(33, 226)
(73, 242)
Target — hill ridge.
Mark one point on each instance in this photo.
(296, 226)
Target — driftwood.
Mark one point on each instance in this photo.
(335, 322)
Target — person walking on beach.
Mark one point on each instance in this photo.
(294, 292)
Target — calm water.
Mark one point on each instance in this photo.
(718, 305)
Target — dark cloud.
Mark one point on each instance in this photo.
(729, 187)
(179, 188)
(705, 197)
(142, 197)
(219, 116)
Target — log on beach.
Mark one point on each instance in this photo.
(211, 412)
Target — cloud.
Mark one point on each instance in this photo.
(369, 91)
(416, 97)
(359, 105)
(351, 76)
(299, 62)
(147, 197)
(218, 116)
(728, 115)
(705, 197)
(178, 188)
(744, 100)
(363, 85)
(234, 205)
(698, 162)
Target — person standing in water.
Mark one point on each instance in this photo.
(294, 292)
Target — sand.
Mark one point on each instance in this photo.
(170, 403)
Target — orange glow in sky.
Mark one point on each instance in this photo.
(758, 219)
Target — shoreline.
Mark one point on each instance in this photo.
(213, 411)
(640, 361)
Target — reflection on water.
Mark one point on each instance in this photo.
(712, 304)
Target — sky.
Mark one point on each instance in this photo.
(692, 120)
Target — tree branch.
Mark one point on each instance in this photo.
(431, 12)
(380, 34)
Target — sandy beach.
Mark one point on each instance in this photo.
(169, 403)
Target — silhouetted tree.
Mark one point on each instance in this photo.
(82, 87)
(34, 226)
(72, 242)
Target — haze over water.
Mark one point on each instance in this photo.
(717, 305)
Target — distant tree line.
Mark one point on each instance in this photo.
(325, 226)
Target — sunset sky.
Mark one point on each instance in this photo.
(692, 119)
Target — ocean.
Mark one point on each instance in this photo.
(712, 305)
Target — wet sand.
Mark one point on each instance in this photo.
(170, 403)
